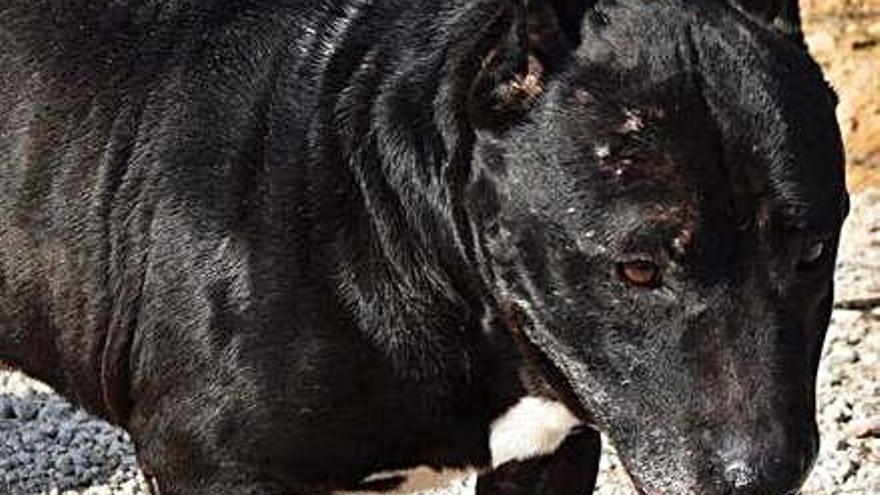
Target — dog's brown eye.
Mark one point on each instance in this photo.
(640, 273)
(812, 254)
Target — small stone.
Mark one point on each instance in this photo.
(870, 359)
(48, 430)
(41, 464)
(23, 458)
(6, 411)
(67, 481)
(55, 410)
(821, 42)
(80, 416)
(64, 466)
(30, 437)
(78, 459)
(96, 457)
(842, 356)
(25, 410)
(65, 434)
(855, 333)
(845, 317)
(864, 428)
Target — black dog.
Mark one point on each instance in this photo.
(290, 244)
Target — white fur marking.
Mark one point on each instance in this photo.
(417, 480)
(533, 427)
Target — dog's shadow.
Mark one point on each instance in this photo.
(49, 445)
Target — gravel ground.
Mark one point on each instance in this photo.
(48, 446)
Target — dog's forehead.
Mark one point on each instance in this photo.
(680, 162)
(709, 103)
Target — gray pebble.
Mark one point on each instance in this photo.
(25, 410)
(6, 411)
(65, 434)
(55, 410)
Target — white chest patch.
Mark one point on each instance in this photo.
(421, 480)
(533, 427)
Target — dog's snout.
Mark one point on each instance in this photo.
(772, 457)
(739, 475)
(762, 476)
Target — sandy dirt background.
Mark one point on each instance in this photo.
(48, 446)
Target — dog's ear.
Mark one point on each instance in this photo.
(533, 40)
(785, 15)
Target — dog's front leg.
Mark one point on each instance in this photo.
(570, 470)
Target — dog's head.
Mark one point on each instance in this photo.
(664, 189)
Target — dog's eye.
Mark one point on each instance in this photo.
(640, 273)
(812, 254)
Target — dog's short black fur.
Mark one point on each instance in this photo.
(290, 243)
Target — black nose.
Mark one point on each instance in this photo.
(764, 476)
(775, 463)
(738, 474)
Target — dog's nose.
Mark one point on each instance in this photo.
(761, 477)
(739, 475)
(774, 463)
